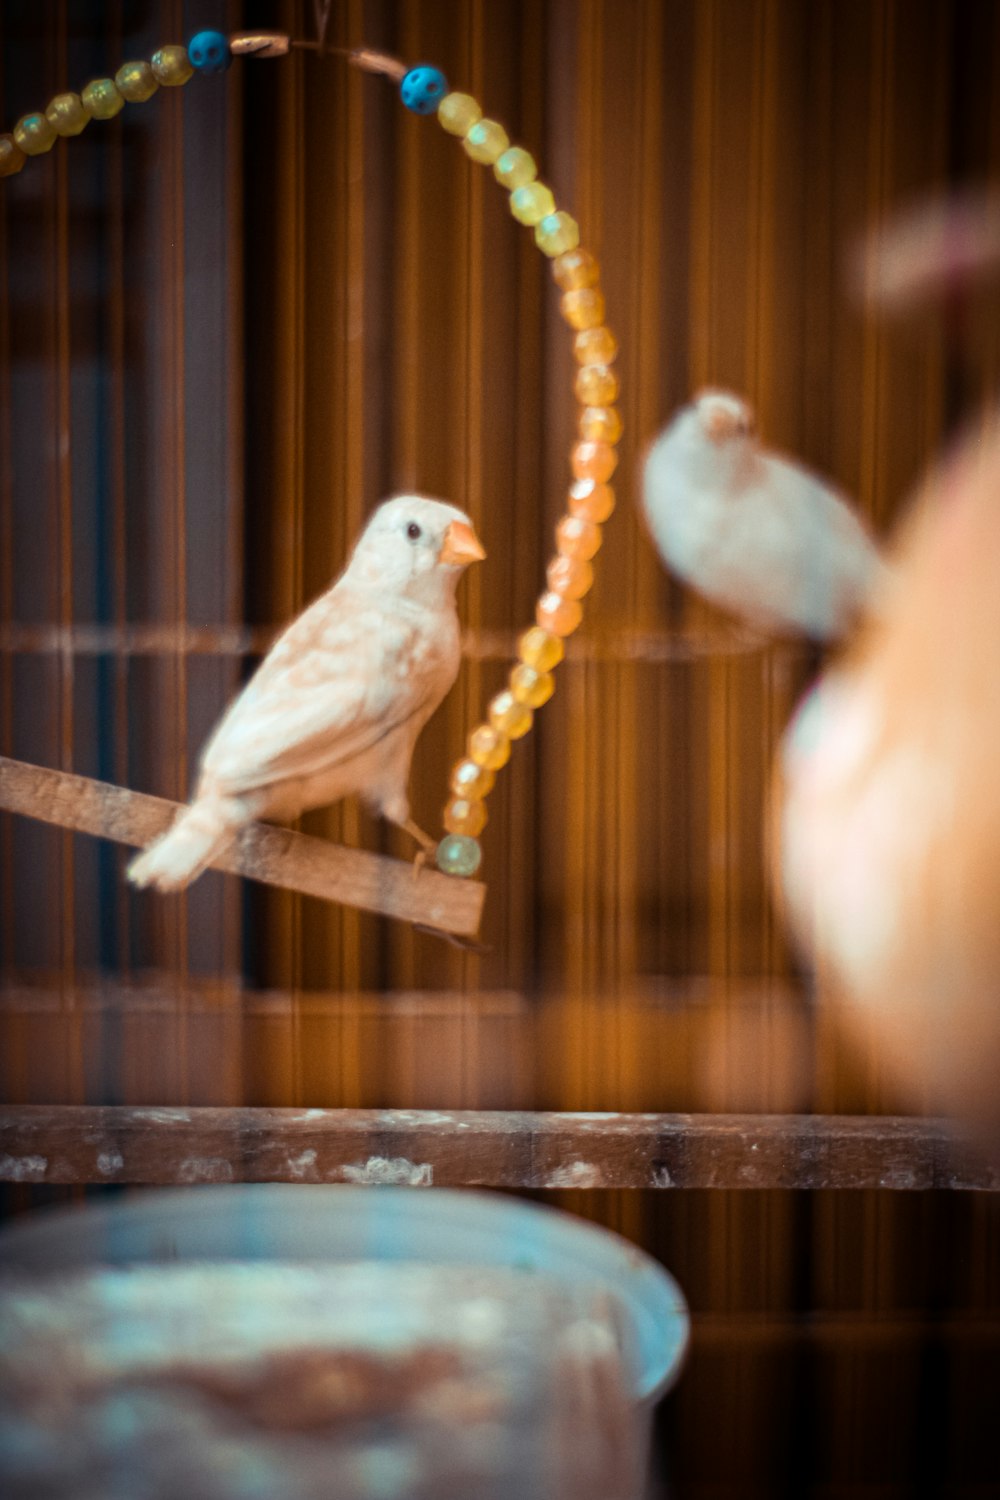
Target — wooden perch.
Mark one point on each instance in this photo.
(277, 856)
(484, 1148)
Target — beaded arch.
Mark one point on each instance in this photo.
(593, 457)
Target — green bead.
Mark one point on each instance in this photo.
(459, 855)
(34, 134)
(531, 203)
(557, 233)
(136, 82)
(171, 66)
(67, 114)
(102, 98)
(515, 168)
(485, 141)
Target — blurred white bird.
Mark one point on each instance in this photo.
(336, 706)
(753, 532)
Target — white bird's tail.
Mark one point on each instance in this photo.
(197, 835)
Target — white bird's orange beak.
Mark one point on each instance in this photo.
(461, 545)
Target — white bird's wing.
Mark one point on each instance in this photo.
(338, 680)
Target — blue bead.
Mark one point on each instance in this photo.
(209, 52)
(423, 89)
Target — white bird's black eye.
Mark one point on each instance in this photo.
(413, 532)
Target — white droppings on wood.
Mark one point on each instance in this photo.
(205, 1169)
(393, 1171)
(576, 1174)
(110, 1162)
(22, 1168)
(303, 1165)
(162, 1116)
(662, 1178)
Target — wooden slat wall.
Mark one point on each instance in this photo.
(233, 320)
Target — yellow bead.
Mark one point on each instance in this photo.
(35, 134)
(595, 346)
(489, 747)
(596, 385)
(570, 577)
(171, 66)
(12, 158)
(593, 461)
(575, 269)
(67, 114)
(486, 141)
(557, 232)
(531, 687)
(583, 308)
(591, 501)
(600, 424)
(530, 204)
(136, 82)
(538, 649)
(515, 168)
(577, 538)
(511, 717)
(458, 113)
(463, 816)
(102, 98)
(471, 780)
(558, 615)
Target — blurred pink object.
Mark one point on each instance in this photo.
(932, 250)
(888, 816)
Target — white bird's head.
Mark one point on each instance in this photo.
(415, 546)
(723, 416)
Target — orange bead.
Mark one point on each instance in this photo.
(600, 424)
(595, 346)
(531, 687)
(557, 615)
(489, 747)
(577, 538)
(591, 501)
(12, 158)
(509, 715)
(590, 460)
(464, 816)
(471, 781)
(569, 576)
(596, 385)
(539, 649)
(576, 268)
(583, 308)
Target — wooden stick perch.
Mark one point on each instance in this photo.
(277, 856)
(484, 1148)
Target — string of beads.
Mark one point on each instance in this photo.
(590, 499)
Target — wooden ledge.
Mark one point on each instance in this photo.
(470, 1148)
(278, 856)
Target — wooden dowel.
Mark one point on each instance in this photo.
(424, 1148)
(277, 856)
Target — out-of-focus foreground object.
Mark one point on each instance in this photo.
(754, 532)
(392, 1345)
(890, 804)
(933, 251)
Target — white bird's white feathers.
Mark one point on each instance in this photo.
(337, 705)
(754, 532)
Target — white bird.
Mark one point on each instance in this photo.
(754, 532)
(336, 706)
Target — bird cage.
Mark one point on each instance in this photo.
(234, 319)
